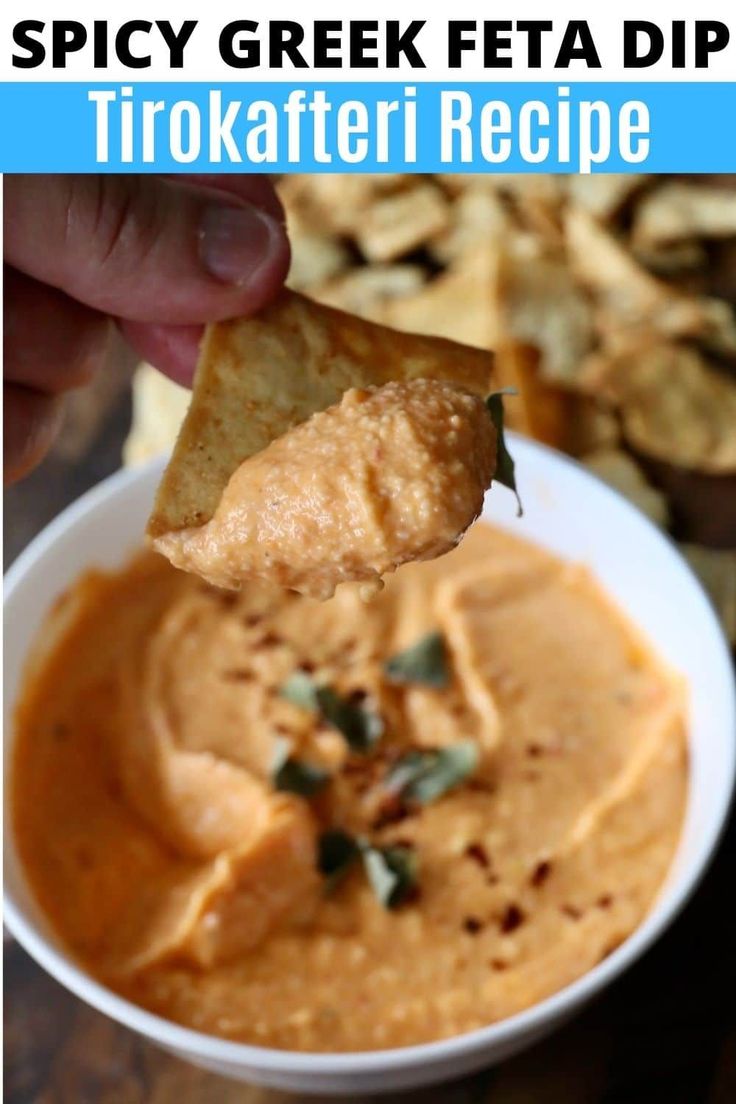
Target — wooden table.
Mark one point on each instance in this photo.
(666, 1031)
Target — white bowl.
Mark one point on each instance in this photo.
(566, 510)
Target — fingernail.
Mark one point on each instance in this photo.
(235, 242)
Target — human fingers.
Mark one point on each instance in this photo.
(146, 249)
(31, 420)
(51, 343)
(171, 349)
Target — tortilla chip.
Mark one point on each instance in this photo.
(367, 290)
(621, 472)
(476, 216)
(258, 377)
(673, 405)
(716, 569)
(602, 263)
(457, 183)
(315, 257)
(630, 299)
(540, 304)
(159, 406)
(678, 210)
(603, 194)
(458, 304)
(393, 226)
(540, 411)
(544, 187)
(336, 202)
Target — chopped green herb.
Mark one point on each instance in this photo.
(360, 725)
(504, 461)
(423, 776)
(336, 852)
(293, 775)
(425, 662)
(300, 689)
(405, 771)
(392, 872)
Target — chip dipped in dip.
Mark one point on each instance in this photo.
(320, 448)
(347, 825)
(386, 476)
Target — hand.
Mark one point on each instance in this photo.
(158, 256)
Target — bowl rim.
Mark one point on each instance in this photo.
(211, 1048)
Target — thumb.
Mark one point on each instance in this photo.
(145, 248)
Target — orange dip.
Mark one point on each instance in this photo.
(153, 837)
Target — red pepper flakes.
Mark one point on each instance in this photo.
(512, 919)
(541, 873)
(478, 853)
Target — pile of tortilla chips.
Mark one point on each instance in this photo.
(608, 300)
